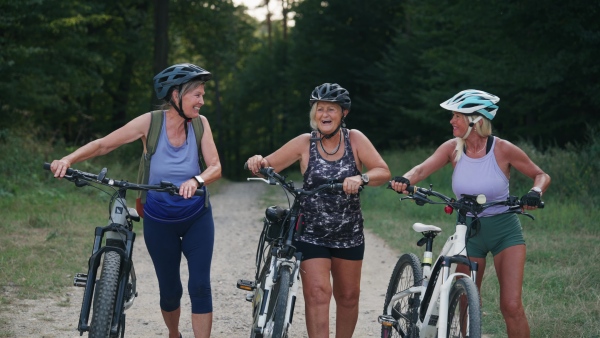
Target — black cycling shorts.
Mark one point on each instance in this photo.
(309, 251)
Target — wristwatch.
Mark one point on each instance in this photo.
(200, 181)
(365, 179)
(538, 190)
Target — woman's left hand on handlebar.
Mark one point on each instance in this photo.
(255, 163)
(400, 184)
(188, 188)
(59, 167)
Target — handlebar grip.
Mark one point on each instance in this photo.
(47, 167)
(541, 205)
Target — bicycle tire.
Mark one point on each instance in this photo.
(464, 292)
(407, 273)
(104, 296)
(280, 326)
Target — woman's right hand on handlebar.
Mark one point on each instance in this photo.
(59, 167)
(256, 162)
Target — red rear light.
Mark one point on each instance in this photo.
(448, 209)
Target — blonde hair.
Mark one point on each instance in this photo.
(484, 130)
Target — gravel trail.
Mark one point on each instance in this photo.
(237, 210)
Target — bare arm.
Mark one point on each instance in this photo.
(135, 129)
(511, 155)
(366, 155)
(441, 157)
(283, 157)
(210, 154)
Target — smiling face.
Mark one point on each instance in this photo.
(327, 116)
(459, 123)
(192, 98)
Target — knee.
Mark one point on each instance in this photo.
(347, 297)
(170, 303)
(317, 295)
(512, 308)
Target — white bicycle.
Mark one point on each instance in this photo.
(430, 299)
(273, 290)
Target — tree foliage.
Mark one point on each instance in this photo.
(81, 68)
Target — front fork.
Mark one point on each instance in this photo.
(125, 251)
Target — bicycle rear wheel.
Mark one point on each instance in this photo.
(407, 273)
(464, 310)
(104, 296)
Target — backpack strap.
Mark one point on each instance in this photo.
(198, 132)
(156, 121)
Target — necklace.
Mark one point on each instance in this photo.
(336, 148)
(478, 151)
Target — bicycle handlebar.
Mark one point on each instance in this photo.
(77, 176)
(274, 178)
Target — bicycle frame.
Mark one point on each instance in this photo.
(453, 251)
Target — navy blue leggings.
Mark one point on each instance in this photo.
(195, 239)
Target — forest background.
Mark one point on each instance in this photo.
(74, 70)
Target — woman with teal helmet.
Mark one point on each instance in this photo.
(482, 165)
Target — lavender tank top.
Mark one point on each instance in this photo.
(332, 219)
(176, 165)
(474, 176)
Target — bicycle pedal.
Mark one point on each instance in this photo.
(80, 279)
(386, 320)
(246, 285)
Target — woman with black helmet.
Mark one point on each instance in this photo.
(482, 165)
(173, 224)
(332, 242)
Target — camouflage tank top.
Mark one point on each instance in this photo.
(331, 219)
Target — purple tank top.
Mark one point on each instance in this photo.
(332, 219)
(176, 165)
(474, 176)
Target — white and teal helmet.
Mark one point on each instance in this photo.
(473, 101)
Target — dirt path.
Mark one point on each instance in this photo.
(237, 213)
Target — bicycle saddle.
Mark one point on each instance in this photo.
(420, 227)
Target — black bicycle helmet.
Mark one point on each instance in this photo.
(331, 92)
(177, 75)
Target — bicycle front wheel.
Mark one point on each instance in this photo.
(104, 296)
(407, 273)
(280, 326)
(464, 310)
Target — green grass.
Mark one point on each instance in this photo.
(48, 225)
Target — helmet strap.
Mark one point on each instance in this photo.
(179, 110)
(472, 122)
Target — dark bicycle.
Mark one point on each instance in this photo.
(275, 284)
(108, 295)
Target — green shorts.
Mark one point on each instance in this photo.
(494, 234)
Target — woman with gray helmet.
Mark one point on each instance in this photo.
(173, 224)
(332, 242)
(482, 165)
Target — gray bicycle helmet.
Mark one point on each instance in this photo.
(177, 75)
(473, 101)
(331, 92)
